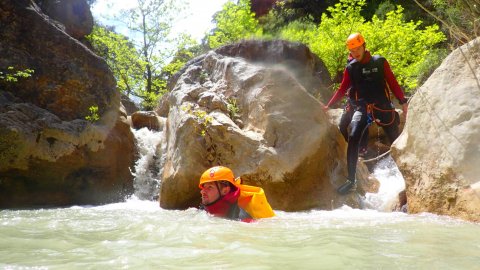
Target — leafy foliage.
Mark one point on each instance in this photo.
(152, 20)
(232, 107)
(460, 19)
(288, 11)
(139, 64)
(233, 23)
(405, 44)
(200, 116)
(123, 59)
(327, 39)
(187, 49)
(93, 116)
(12, 75)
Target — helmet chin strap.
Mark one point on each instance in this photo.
(220, 196)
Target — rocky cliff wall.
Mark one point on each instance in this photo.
(438, 152)
(49, 153)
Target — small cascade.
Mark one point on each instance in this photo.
(391, 184)
(146, 182)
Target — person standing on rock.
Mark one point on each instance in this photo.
(224, 196)
(346, 118)
(370, 80)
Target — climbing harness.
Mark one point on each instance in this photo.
(371, 108)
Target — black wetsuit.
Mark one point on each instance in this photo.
(368, 87)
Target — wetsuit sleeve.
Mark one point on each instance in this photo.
(244, 216)
(341, 90)
(392, 83)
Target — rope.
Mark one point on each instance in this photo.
(371, 108)
(376, 158)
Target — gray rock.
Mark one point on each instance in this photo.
(50, 155)
(438, 152)
(285, 142)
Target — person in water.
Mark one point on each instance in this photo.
(223, 196)
(369, 79)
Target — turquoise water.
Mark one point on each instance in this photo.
(140, 235)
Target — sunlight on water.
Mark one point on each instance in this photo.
(140, 235)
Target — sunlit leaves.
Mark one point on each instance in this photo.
(406, 45)
(12, 75)
(123, 59)
(233, 23)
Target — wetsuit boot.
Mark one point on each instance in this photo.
(348, 186)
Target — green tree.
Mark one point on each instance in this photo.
(187, 49)
(123, 59)
(233, 23)
(327, 39)
(460, 19)
(405, 44)
(287, 11)
(151, 22)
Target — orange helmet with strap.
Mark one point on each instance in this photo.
(217, 173)
(355, 40)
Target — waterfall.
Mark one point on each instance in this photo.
(146, 181)
(391, 184)
(148, 170)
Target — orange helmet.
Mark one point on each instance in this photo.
(355, 40)
(217, 173)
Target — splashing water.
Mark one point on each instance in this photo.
(146, 182)
(140, 235)
(391, 184)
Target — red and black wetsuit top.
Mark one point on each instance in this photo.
(369, 79)
(227, 207)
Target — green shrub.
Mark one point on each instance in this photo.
(406, 45)
(93, 116)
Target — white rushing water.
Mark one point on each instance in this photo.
(391, 183)
(146, 171)
(138, 234)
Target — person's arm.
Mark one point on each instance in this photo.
(341, 90)
(394, 86)
(392, 83)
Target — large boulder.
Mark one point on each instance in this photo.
(49, 153)
(74, 15)
(147, 119)
(232, 107)
(130, 106)
(309, 71)
(68, 78)
(438, 152)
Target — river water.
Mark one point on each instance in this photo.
(138, 234)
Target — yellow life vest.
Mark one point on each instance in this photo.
(253, 200)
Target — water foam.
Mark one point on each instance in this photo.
(146, 182)
(391, 184)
